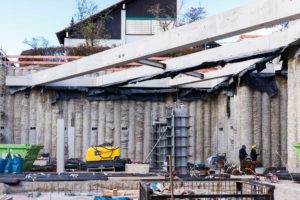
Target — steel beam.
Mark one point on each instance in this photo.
(153, 64)
(262, 13)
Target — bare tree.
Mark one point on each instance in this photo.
(37, 42)
(92, 29)
(194, 14)
(158, 12)
(85, 8)
(93, 32)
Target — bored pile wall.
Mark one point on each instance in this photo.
(221, 125)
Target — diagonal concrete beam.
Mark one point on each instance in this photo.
(248, 47)
(262, 13)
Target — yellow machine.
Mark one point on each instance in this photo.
(102, 153)
(103, 156)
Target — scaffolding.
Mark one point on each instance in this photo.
(170, 137)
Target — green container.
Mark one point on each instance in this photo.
(28, 152)
(297, 148)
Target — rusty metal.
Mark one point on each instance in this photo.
(215, 189)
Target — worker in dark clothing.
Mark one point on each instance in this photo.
(253, 153)
(242, 153)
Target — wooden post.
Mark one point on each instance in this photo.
(171, 177)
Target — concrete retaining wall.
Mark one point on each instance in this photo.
(293, 113)
(222, 124)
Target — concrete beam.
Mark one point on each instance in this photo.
(247, 47)
(262, 13)
(228, 70)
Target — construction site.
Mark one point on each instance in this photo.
(136, 122)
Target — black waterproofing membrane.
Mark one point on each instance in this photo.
(250, 77)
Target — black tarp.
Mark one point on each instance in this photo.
(258, 81)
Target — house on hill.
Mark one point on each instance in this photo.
(125, 22)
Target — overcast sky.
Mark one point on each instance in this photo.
(21, 19)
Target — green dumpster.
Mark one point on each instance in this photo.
(297, 148)
(28, 152)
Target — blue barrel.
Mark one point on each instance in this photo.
(8, 166)
(17, 165)
(2, 165)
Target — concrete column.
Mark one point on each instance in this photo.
(78, 128)
(17, 113)
(101, 123)
(9, 110)
(2, 105)
(60, 154)
(25, 116)
(131, 142)
(71, 129)
(246, 116)
(40, 118)
(94, 123)
(275, 131)
(109, 122)
(237, 128)
(200, 131)
(221, 124)
(207, 130)
(139, 130)
(293, 116)
(24, 109)
(213, 125)
(117, 123)
(147, 129)
(192, 132)
(257, 120)
(283, 120)
(124, 128)
(63, 113)
(32, 116)
(86, 128)
(154, 112)
(55, 114)
(48, 124)
(162, 109)
(266, 130)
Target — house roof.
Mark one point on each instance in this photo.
(61, 34)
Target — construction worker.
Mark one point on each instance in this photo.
(242, 153)
(253, 153)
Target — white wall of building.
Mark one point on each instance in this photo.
(131, 30)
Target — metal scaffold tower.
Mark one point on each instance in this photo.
(170, 137)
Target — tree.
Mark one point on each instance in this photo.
(194, 14)
(72, 22)
(94, 31)
(37, 42)
(85, 8)
(91, 29)
(158, 12)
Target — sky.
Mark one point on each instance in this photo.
(24, 19)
